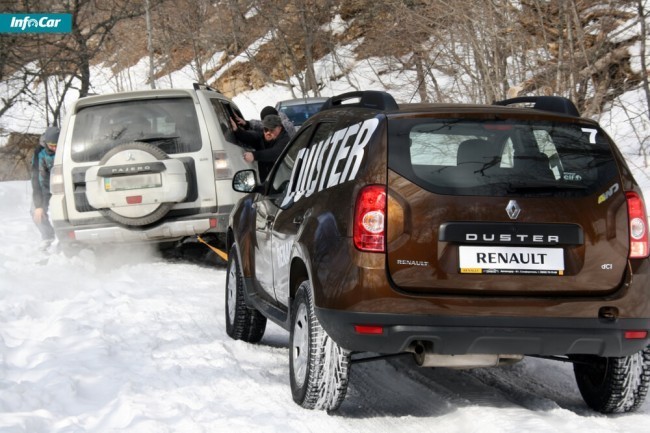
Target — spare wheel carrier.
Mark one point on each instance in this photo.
(153, 201)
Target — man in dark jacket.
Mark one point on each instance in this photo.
(267, 144)
(42, 162)
(254, 124)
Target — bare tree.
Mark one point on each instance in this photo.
(641, 10)
(585, 51)
(25, 61)
(92, 23)
(58, 62)
(294, 34)
(152, 79)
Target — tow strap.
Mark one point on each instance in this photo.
(216, 250)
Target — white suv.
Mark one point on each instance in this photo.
(145, 166)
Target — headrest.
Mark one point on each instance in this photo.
(475, 150)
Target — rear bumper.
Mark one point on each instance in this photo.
(165, 231)
(484, 335)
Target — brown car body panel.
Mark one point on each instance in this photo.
(583, 274)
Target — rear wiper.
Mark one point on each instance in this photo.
(155, 139)
(117, 134)
(152, 139)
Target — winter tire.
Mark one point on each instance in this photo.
(242, 322)
(134, 145)
(613, 385)
(318, 367)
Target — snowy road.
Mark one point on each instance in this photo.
(132, 343)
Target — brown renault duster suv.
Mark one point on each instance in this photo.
(467, 235)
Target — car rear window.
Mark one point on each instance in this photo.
(170, 124)
(298, 113)
(495, 157)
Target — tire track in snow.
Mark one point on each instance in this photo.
(381, 388)
(400, 388)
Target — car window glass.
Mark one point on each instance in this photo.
(298, 113)
(283, 169)
(170, 124)
(547, 145)
(452, 156)
(224, 110)
(287, 175)
(508, 154)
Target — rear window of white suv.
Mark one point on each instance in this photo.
(169, 124)
(466, 157)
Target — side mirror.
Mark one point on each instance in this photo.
(245, 181)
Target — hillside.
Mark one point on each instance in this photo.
(479, 51)
(476, 52)
(432, 51)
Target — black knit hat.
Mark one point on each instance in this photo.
(266, 111)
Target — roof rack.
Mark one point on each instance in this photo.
(199, 86)
(555, 104)
(373, 99)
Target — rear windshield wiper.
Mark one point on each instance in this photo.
(155, 139)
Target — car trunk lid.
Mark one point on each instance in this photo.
(504, 207)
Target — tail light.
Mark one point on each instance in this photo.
(369, 329)
(221, 166)
(369, 230)
(638, 226)
(56, 179)
(636, 335)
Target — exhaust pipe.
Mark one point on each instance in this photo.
(424, 357)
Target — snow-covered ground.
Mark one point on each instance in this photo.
(125, 341)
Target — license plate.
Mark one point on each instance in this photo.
(511, 260)
(136, 181)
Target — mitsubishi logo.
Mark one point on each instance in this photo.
(513, 209)
(130, 157)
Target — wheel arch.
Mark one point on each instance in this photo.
(298, 274)
(230, 239)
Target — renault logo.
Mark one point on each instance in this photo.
(513, 209)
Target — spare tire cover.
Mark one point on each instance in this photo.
(136, 184)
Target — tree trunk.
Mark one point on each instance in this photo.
(644, 72)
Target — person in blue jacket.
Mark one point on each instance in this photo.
(42, 162)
